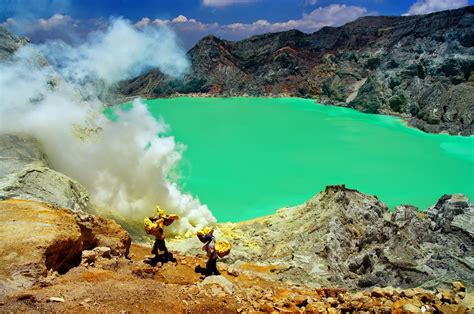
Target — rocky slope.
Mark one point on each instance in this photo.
(345, 238)
(44, 219)
(111, 285)
(419, 67)
(25, 174)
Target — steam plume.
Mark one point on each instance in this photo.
(125, 164)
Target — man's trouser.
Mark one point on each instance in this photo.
(211, 266)
(159, 248)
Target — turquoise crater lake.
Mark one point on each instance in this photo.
(247, 157)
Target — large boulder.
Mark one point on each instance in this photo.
(24, 174)
(38, 237)
(34, 238)
(101, 232)
(454, 214)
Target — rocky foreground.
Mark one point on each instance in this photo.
(417, 67)
(342, 251)
(53, 259)
(345, 238)
(104, 283)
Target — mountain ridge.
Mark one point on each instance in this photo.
(417, 67)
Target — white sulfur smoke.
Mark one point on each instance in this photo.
(123, 52)
(125, 164)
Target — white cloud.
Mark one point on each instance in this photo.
(223, 3)
(180, 19)
(189, 29)
(58, 26)
(54, 21)
(181, 23)
(8, 22)
(429, 6)
(332, 15)
(311, 2)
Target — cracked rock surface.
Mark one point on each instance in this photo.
(345, 238)
(24, 174)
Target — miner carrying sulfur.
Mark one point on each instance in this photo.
(155, 226)
(213, 248)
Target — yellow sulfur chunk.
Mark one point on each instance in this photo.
(154, 228)
(201, 234)
(223, 248)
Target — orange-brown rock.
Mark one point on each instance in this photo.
(445, 295)
(100, 232)
(177, 288)
(35, 237)
(458, 286)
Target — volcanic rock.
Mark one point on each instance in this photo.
(220, 281)
(100, 232)
(9, 43)
(24, 174)
(38, 237)
(34, 238)
(419, 67)
(344, 238)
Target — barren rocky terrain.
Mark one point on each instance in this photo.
(128, 285)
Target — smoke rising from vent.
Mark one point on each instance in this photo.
(126, 164)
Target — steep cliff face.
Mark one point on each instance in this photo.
(419, 67)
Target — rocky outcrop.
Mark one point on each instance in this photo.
(39, 238)
(344, 238)
(417, 67)
(100, 232)
(34, 239)
(42, 213)
(9, 43)
(24, 174)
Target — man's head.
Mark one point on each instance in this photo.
(208, 237)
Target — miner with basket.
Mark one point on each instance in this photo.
(213, 248)
(155, 226)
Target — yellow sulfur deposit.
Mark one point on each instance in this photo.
(223, 248)
(154, 228)
(167, 219)
(202, 233)
(160, 212)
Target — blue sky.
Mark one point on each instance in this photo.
(272, 10)
(192, 19)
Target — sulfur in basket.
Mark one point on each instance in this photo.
(203, 234)
(223, 248)
(154, 228)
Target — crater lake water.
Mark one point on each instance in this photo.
(247, 157)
